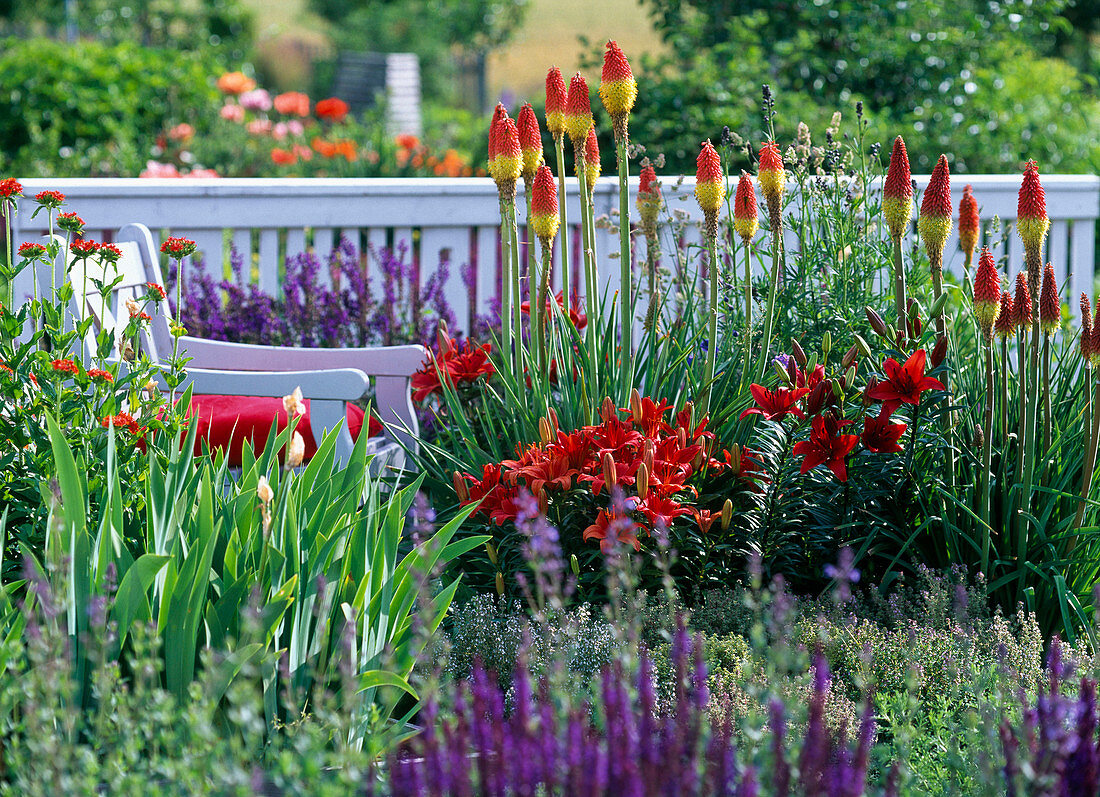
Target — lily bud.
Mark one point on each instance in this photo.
(864, 347)
(849, 377)
(849, 356)
(642, 480)
(491, 550)
(816, 400)
(735, 459)
(826, 344)
(938, 305)
(649, 454)
(574, 564)
(792, 371)
(296, 451)
(876, 322)
(872, 383)
(461, 490)
(544, 430)
(799, 354)
(636, 403)
(610, 474)
(552, 414)
(681, 437)
(939, 352)
(727, 514)
(500, 584)
(811, 364)
(608, 411)
(784, 376)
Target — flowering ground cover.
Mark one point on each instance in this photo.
(825, 526)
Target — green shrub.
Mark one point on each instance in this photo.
(90, 109)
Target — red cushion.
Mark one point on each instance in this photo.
(226, 422)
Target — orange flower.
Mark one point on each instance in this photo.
(346, 148)
(969, 223)
(578, 111)
(987, 292)
(1006, 317)
(618, 89)
(324, 148)
(773, 179)
(1086, 330)
(235, 83)
(283, 157)
(744, 208)
(333, 108)
(556, 100)
(292, 103)
(407, 141)
(897, 193)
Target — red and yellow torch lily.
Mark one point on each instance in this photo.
(578, 122)
(710, 192)
(591, 170)
(969, 227)
(897, 209)
(1003, 328)
(1050, 317)
(556, 100)
(530, 142)
(773, 182)
(934, 226)
(544, 222)
(1090, 352)
(987, 303)
(618, 91)
(746, 223)
(505, 163)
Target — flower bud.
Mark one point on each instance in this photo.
(500, 583)
(1050, 306)
(608, 411)
(815, 401)
(979, 438)
(849, 356)
(826, 344)
(544, 430)
(735, 459)
(727, 514)
(864, 346)
(530, 142)
(461, 490)
(939, 352)
(491, 550)
(649, 453)
(792, 372)
(799, 354)
(849, 378)
(296, 451)
(552, 414)
(1005, 324)
(876, 322)
(642, 480)
(1031, 217)
(937, 306)
(784, 374)
(636, 404)
(969, 223)
(574, 564)
(610, 473)
(264, 491)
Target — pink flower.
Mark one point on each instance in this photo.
(295, 128)
(279, 131)
(156, 169)
(259, 127)
(232, 112)
(256, 100)
(182, 132)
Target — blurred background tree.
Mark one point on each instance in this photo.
(993, 83)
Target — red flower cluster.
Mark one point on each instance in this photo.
(65, 366)
(178, 248)
(457, 364)
(156, 292)
(84, 248)
(70, 222)
(98, 375)
(9, 188)
(49, 199)
(29, 250)
(123, 420)
(646, 450)
(812, 394)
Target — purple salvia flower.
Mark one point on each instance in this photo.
(1011, 747)
(749, 786)
(782, 777)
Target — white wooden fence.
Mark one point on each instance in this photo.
(270, 219)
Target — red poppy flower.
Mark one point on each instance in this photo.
(334, 109)
(774, 405)
(903, 383)
(880, 435)
(827, 446)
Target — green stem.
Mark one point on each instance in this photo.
(8, 285)
(899, 287)
(532, 258)
(505, 284)
(769, 318)
(1089, 463)
(517, 282)
(1021, 379)
(712, 329)
(547, 264)
(626, 302)
(1046, 395)
(987, 455)
(747, 368)
(565, 239)
(1031, 450)
(1004, 393)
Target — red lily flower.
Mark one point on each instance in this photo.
(622, 528)
(903, 383)
(827, 447)
(651, 420)
(775, 404)
(880, 435)
(658, 509)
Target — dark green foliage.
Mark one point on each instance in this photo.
(90, 109)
